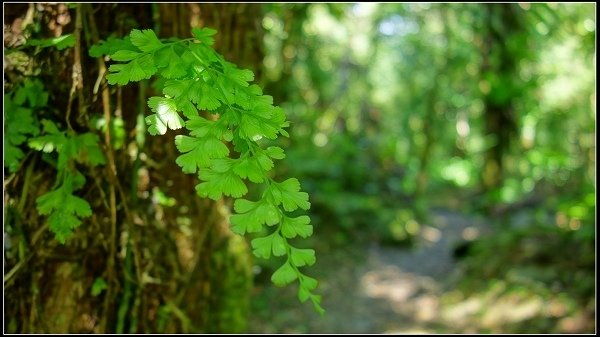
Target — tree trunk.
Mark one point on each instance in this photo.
(499, 71)
(168, 268)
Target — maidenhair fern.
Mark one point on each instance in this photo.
(19, 124)
(63, 208)
(200, 79)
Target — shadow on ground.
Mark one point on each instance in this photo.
(383, 289)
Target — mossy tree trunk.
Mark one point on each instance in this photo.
(168, 258)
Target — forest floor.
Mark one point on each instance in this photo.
(372, 288)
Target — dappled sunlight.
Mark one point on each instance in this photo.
(406, 294)
(390, 284)
(412, 291)
(510, 310)
(429, 307)
(470, 233)
(431, 234)
(501, 305)
(459, 313)
(402, 280)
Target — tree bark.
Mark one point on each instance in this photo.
(168, 269)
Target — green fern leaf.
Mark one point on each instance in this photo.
(62, 225)
(288, 193)
(64, 208)
(181, 91)
(211, 98)
(239, 76)
(275, 152)
(88, 150)
(284, 275)
(292, 227)
(218, 184)
(145, 40)
(204, 35)
(252, 215)
(245, 223)
(263, 247)
(165, 116)
(139, 69)
(112, 46)
(249, 167)
(60, 43)
(173, 65)
(21, 122)
(302, 257)
(125, 55)
(198, 152)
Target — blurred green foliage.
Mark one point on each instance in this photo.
(392, 109)
(389, 102)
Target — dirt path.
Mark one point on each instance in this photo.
(374, 289)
